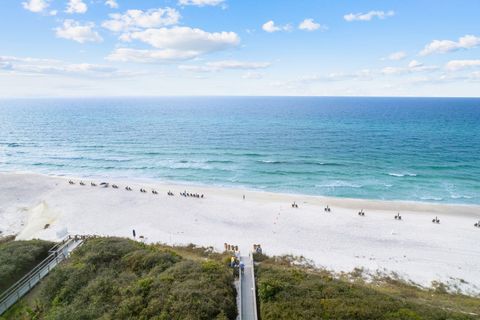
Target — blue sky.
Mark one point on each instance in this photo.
(239, 47)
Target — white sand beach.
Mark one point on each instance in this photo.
(414, 248)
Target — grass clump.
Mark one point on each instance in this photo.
(113, 278)
(288, 290)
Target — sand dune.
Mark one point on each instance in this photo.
(414, 248)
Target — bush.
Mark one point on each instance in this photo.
(286, 291)
(112, 278)
(18, 257)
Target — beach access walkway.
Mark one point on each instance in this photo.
(248, 300)
(57, 254)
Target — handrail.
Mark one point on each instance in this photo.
(254, 287)
(58, 244)
(31, 273)
(59, 252)
(240, 294)
(52, 256)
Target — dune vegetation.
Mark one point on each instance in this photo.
(113, 278)
(18, 257)
(288, 289)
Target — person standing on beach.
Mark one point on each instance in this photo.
(134, 234)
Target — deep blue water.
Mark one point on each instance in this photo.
(424, 149)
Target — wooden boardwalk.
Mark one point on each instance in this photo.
(248, 301)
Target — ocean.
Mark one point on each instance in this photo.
(416, 149)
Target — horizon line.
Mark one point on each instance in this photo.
(228, 96)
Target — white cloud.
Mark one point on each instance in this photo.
(475, 75)
(112, 4)
(53, 12)
(392, 70)
(253, 75)
(362, 75)
(55, 67)
(200, 3)
(368, 16)
(149, 56)
(396, 56)
(217, 66)
(270, 27)
(76, 6)
(456, 65)
(444, 46)
(35, 5)
(78, 32)
(234, 64)
(135, 19)
(310, 25)
(198, 69)
(185, 39)
(413, 66)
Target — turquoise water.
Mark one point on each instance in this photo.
(375, 148)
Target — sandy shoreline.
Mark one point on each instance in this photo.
(414, 248)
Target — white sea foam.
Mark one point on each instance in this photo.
(460, 196)
(339, 184)
(431, 198)
(405, 174)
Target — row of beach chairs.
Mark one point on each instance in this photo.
(193, 195)
(114, 186)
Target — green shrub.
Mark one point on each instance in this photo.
(19, 257)
(112, 278)
(402, 314)
(289, 292)
(269, 288)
